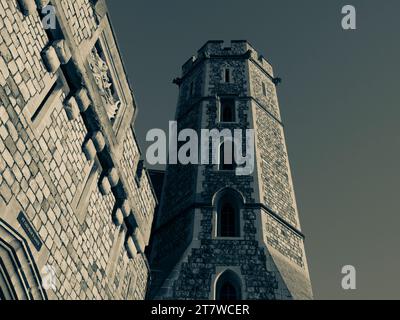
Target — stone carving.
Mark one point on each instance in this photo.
(100, 72)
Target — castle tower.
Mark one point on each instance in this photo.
(220, 235)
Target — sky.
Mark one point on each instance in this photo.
(339, 101)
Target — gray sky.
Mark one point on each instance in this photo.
(339, 102)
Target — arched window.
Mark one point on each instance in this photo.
(19, 277)
(227, 156)
(227, 292)
(227, 114)
(228, 287)
(228, 216)
(228, 220)
(227, 110)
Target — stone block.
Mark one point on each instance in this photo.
(83, 100)
(138, 240)
(113, 177)
(50, 59)
(62, 50)
(2, 80)
(130, 248)
(4, 73)
(105, 186)
(98, 140)
(118, 217)
(89, 150)
(126, 208)
(5, 192)
(8, 158)
(71, 108)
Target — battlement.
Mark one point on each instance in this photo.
(220, 48)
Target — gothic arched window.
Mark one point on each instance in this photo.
(227, 156)
(227, 292)
(228, 221)
(19, 276)
(227, 110)
(228, 287)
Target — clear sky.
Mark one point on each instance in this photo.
(339, 101)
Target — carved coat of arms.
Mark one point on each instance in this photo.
(101, 74)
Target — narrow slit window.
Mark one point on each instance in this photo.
(191, 93)
(264, 89)
(227, 75)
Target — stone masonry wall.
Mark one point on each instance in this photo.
(22, 39)
(179, 188)
(81, 18)
(280, 227)
(140, 189)
(50, 175)
(285, 241)
(276, 188)
(276, 184)
(195, 278)
(269, 101)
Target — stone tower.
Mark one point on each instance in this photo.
(219, 235)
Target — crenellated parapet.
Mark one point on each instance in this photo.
(217, 49)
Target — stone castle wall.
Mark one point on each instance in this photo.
(70, 187)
